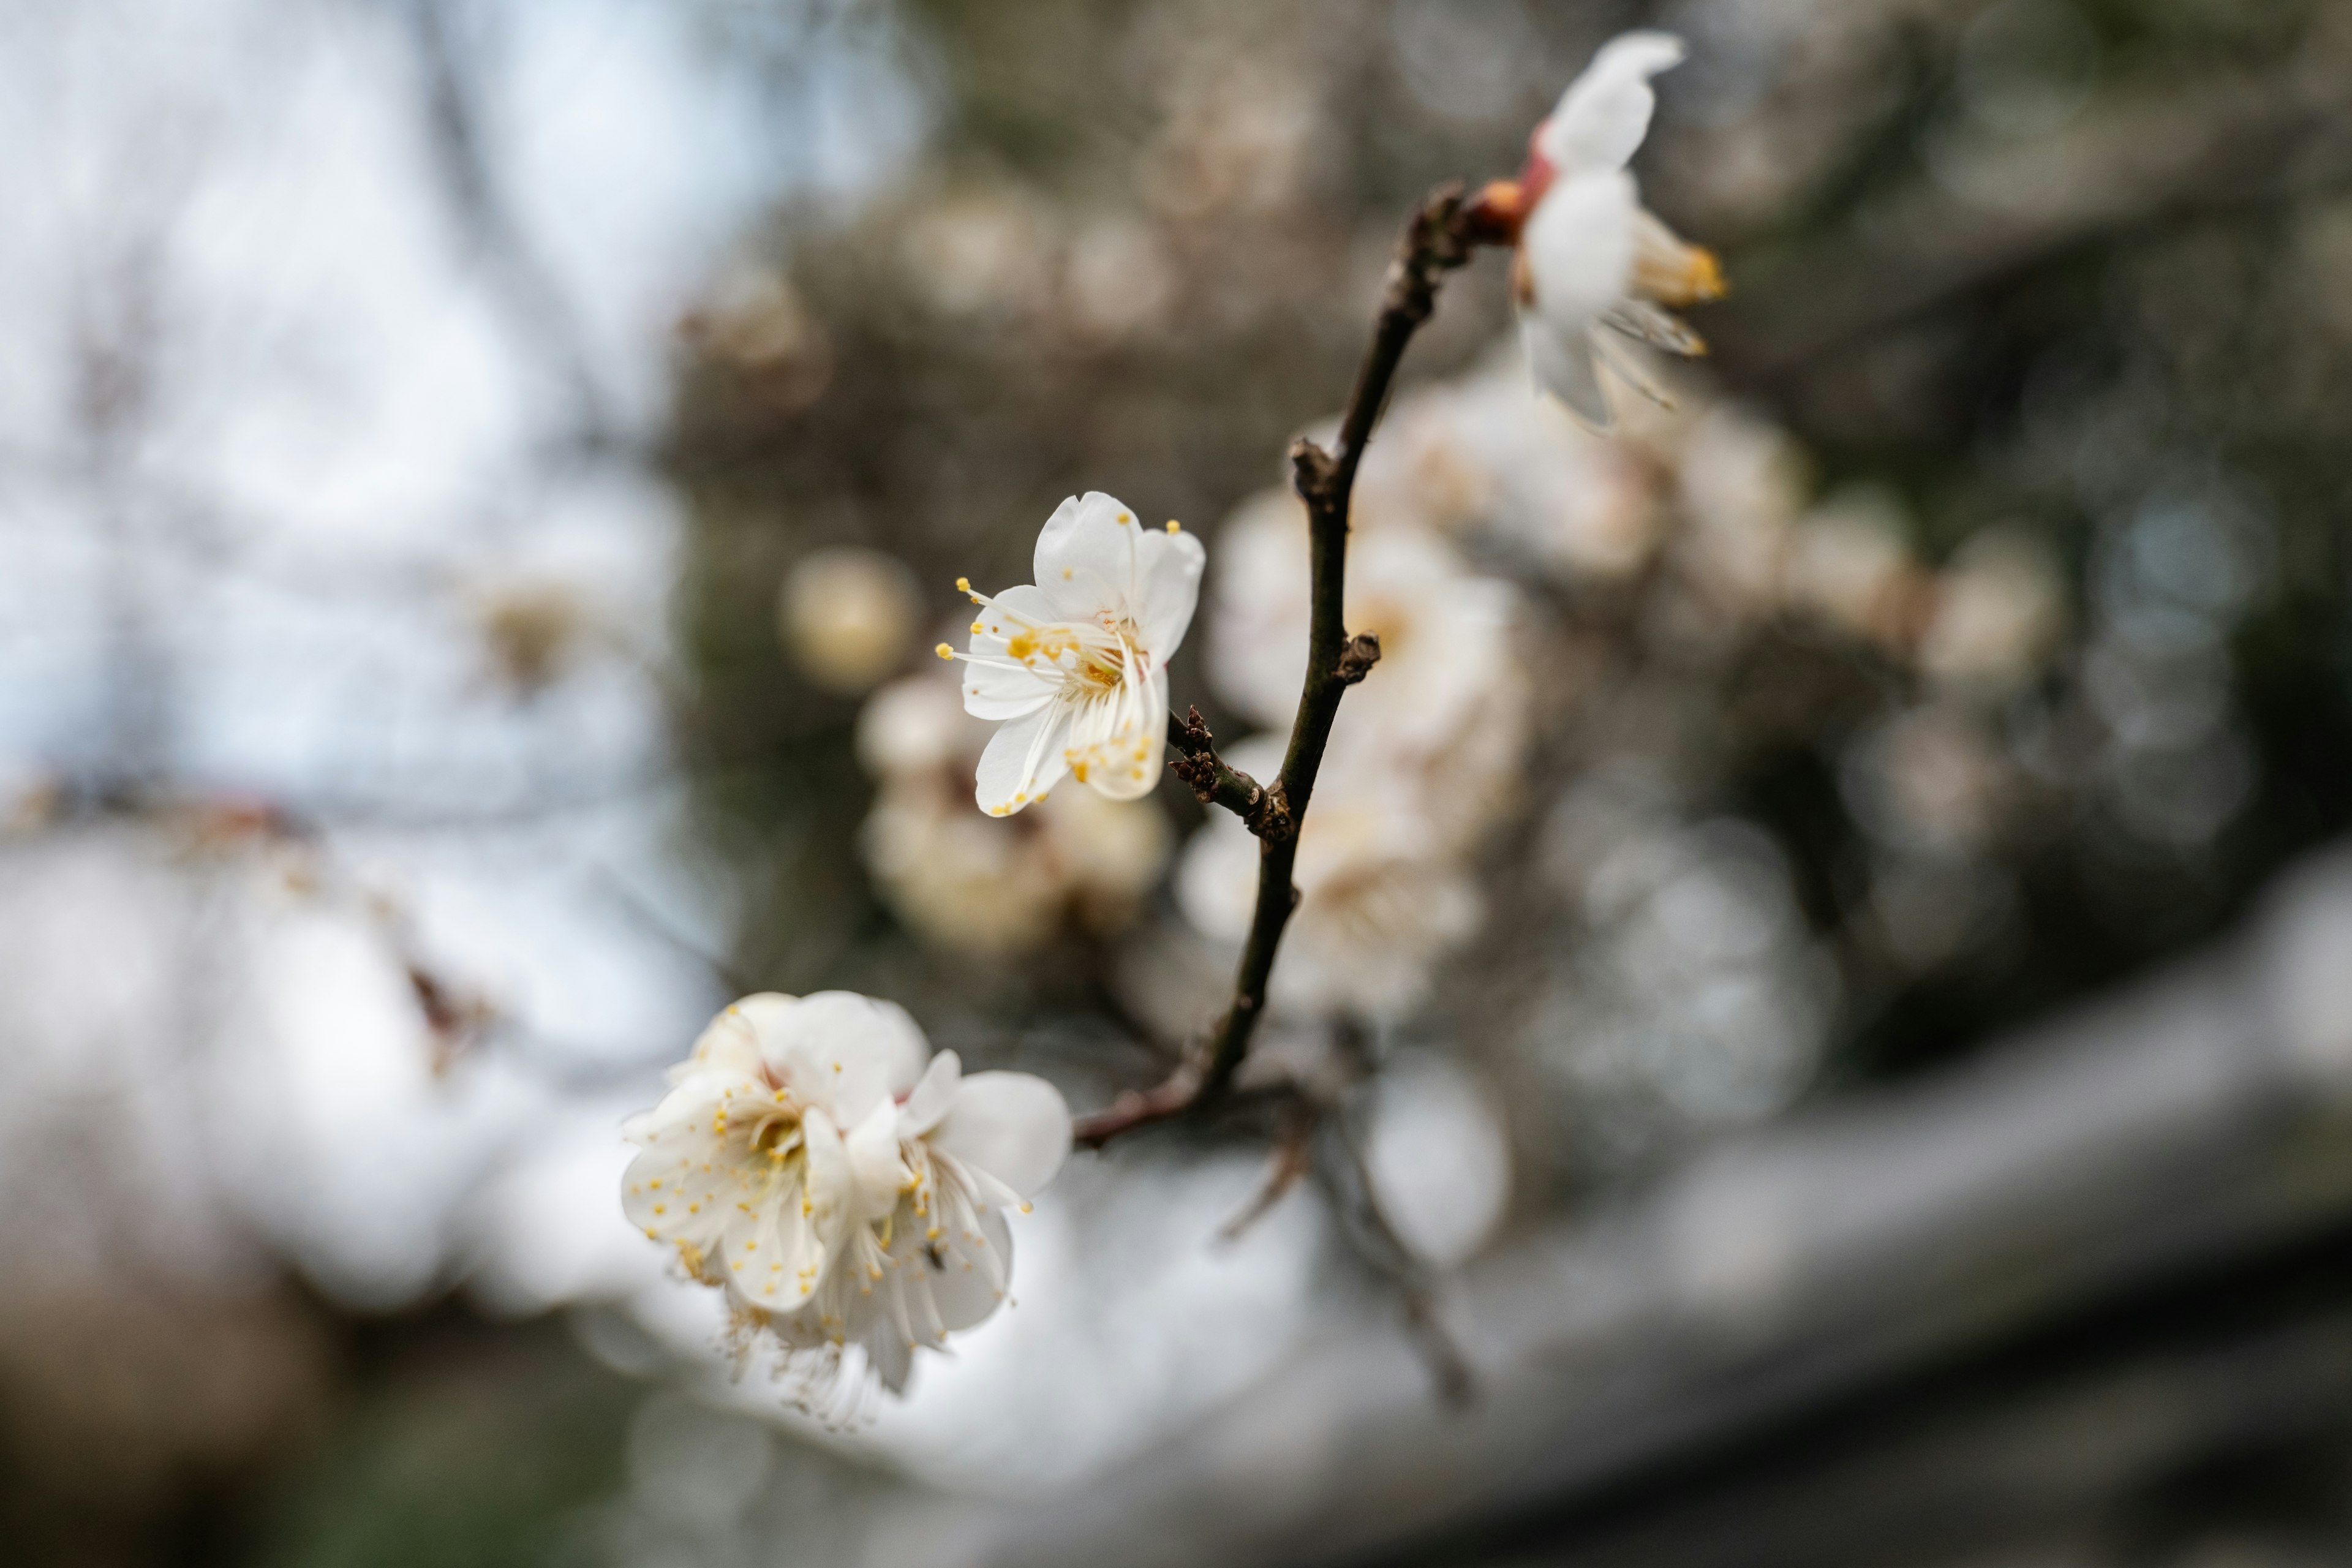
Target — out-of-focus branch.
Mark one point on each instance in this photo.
(1347, 1180)
(531, 289)
(1294, 1157)
(1440, 237)
(2135, 158)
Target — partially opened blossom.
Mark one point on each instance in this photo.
(1074, 665)
(841, 1190)
(1594, 265)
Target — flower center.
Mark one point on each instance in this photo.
(1094, 657)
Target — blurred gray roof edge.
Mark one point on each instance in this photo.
(2196, 1111)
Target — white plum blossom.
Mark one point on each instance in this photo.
(1741, 482)
(810, 1163)
(1590, 256)
(1074, 665)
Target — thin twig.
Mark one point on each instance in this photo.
(1440, 237)
(1293, 1156)
(1375, 1241)
(1193, 759)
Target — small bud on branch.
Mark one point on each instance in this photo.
(1356, 661)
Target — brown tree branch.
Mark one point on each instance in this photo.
(1440, 237)
(1193, 758)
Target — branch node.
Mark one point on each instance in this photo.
(1356, 661)
(1314, 473)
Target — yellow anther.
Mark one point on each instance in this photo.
(1174, 526)
(944, 652)
(963, 585)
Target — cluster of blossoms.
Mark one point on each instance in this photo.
(844, 1186)
(806, 1160)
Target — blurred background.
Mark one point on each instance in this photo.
(1820, 1028)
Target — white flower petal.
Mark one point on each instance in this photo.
(1017, 610)
(662, 1190)
(888, 1350)
(774, 1258)
(874, 1165)
(1605, 113)
(992, 689)
(1087, 561)
(1620, 357)
(1118, 740)
(730, 1043)
(831, 1183)
(1170, 566)
(1023, 760)
(1579, 248)
(844, 1052)
(968, 1282)
(1011, 1125)
(932, 1094)
(1563, 366)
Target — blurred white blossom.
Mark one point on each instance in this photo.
(1445, 710)
(1481, 454)
(848, 616)
(1439, 1158)
(1850, 566)
(982, 887)
(1381, 895)
(1741, 483)
(2000, 609)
